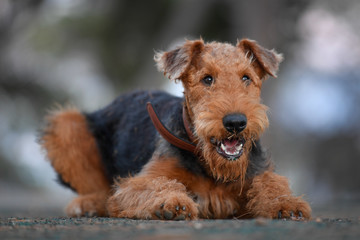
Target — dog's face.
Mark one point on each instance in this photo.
(222, 91)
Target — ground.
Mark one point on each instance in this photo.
(31, 214)
(110, 228)
(45, 224)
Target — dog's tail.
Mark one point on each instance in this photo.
(73, 152)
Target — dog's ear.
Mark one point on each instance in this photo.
(175, 63)
(267, 61)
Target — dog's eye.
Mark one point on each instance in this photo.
(246, 79)
(208, 80)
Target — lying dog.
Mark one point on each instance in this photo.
(150, 155)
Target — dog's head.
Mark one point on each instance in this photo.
(222, 85)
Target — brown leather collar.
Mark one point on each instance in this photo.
(170, 137)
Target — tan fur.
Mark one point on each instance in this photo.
(73, 153)
(93, 204)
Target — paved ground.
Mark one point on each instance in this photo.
(338, 220)
(108, 228)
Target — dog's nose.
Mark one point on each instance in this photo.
(235, 123)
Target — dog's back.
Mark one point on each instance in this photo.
(124, 132)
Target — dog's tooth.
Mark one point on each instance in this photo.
(223, 147)
(238, 148)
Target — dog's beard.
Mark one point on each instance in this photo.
(225, 155)
(223, 169)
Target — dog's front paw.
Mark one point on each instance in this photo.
(271, 197)
(282, 207)
(178, 206)
(152, 198)
(293, 208)
(175, 208)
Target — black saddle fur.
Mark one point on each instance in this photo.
(127, 139)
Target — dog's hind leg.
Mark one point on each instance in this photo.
(73, 153)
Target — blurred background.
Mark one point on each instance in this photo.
(88, 52)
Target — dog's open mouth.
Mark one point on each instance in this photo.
(231, 148)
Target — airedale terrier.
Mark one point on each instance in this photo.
(193, 157)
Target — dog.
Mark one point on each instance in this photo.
(150, 155)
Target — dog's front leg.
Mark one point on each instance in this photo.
(270, 196)
(152, 196)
